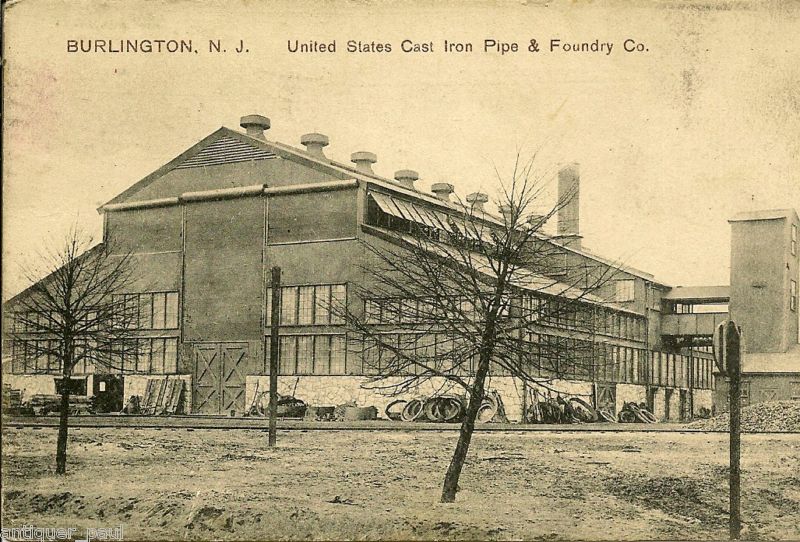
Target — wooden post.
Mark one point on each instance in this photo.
(274, 350)
(733, 358)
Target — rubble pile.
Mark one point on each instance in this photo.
(781, 416)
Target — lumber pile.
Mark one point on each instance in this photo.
(12, 400)
(163, 396)
(42, 404)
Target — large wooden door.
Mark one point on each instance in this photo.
(207, 372)
(234, 362)
(606, 397)
(219, 377)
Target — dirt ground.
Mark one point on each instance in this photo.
(226, 484)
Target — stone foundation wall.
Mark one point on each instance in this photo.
(335, 390)
(627, 393)
(659, 404)
(36, 384)
(702, 399)
(675, 406)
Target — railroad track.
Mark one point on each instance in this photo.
(289, 424)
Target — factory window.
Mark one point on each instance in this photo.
(84, 365)
(396, 310)
(794, 239)
(795, 390)
(404, 354)
(530, 307)
(305, 307)
(322, 296)
(156, 310)
(154, 356)
(288, 356)
(338, 355)
(320, 304)
(322, 356)
(372, 311)
(32, 357)
(288, 306)
(624, 290)
(793, 295)
(305, 354)
(312, 354)
(145, 304)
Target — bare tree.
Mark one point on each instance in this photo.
(469, 290)
(73, 316)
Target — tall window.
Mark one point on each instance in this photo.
(794, 239)
(156, 310)
(305, 354)
(624, 290)
(155, 356)
(793, 295)
(309, 305)
(305, 308)
(288, 306)
(312, 354)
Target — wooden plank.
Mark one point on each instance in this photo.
(147, 400)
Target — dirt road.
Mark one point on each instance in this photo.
(179, 484)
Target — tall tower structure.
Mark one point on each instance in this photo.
(765, 259)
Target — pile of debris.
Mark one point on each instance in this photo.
(44, 404)
(12, 400)
(288, 406)
(576, 410)
(780, 416)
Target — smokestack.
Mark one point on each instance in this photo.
(255, 125)
(406, 177)
(363, 161)
(569, 184)
(442, 190)
(476, 200)
(314, 144)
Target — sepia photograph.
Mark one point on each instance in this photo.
(400, 270)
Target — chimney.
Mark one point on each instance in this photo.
(476, 200)
(505, 210)
(255, 125)
(569, 184)
(363, 161)
(406, 177)
(314, 144)
(442, 190)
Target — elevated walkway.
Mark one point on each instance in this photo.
(692, 313)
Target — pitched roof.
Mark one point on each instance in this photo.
(9, 304)
(766, 214)
(207, 152)
(524, 279)
(699, 293)
(773, 362)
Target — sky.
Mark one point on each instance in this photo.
(672, 141)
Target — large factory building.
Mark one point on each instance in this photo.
(206, 228)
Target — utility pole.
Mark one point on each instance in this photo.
(734, 353)
(274, 346)
(728, 356)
